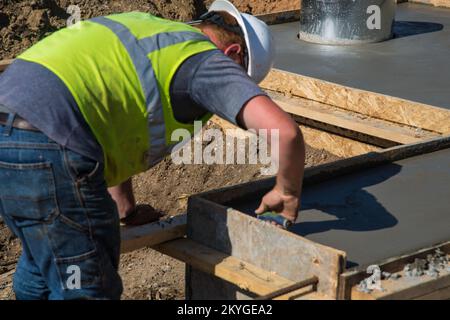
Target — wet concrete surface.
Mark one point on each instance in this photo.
(379, 213)
(414, 65)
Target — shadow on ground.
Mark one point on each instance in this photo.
(347, 199)
(411, 28)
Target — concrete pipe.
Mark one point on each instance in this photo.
(346, 22)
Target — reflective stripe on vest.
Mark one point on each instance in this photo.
(138, 51)
(152, 50)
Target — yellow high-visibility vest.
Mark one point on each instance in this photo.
(119, 69)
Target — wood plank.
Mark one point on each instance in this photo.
(368, 103)
(319, 139)
(245, 275)
(264, 245)
(5, 63)
(382, 137)
(134, 238)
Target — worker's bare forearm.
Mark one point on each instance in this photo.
(291, 161)
(262, 113)
(124, 197)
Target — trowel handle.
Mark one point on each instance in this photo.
(275, 217)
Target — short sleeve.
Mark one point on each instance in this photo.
(222, 87)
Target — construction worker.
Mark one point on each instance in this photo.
(94, 104)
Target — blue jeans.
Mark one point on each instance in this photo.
(56, 201)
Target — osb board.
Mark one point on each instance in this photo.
(368, 103)
(339, 146)
(377, 128)
(264, 245)
(351, 125)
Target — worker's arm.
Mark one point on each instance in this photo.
(130, 213)
(124, 198)
(262, 113)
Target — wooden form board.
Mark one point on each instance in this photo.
(404, 288)
(264, 245)
(244, 275)
(361, 130)
(152, 234)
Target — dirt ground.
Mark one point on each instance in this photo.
(146, 274)
(22, 23)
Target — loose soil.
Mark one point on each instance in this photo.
(146, 274)
(23, 23)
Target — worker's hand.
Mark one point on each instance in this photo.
(141, 215)
(285, 204)
(262, 113)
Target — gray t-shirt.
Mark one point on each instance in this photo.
(206, 82)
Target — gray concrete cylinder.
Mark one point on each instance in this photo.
(346, 22)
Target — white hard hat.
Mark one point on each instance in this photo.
(258, 38)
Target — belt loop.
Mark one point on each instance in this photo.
(9, 125)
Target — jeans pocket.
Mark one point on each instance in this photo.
(81, 167)
(27, 193)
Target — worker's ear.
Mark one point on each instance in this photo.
(234, 52)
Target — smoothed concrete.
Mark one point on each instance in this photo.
(414, 66)
(377, 213)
